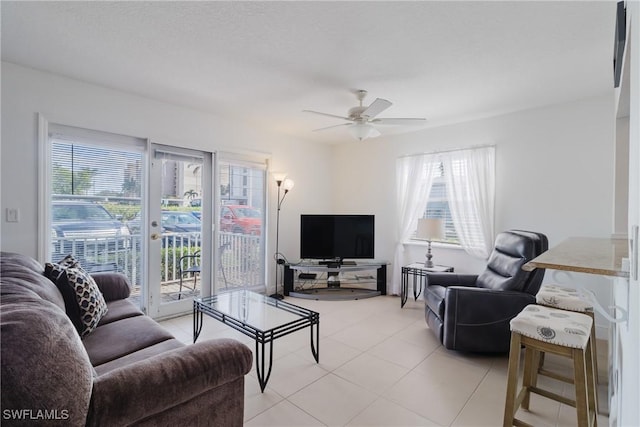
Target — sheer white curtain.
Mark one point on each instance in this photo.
(470, 180)
(414, 176)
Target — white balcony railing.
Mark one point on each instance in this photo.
(239, 263)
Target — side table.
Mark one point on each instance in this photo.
(418, 272)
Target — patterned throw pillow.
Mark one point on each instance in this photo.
(58, 275)
(89, 300)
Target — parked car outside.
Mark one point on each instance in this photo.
(241, 219)
(86, 229)
(180, 229)
(180, 222)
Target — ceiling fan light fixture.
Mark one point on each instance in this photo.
(361, 131)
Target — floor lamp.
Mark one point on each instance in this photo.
(285, 184)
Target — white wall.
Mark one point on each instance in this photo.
(554, 165)
(26, 92)
(554, 174)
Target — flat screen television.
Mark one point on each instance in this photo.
(337, 237)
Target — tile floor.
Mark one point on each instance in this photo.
(381, 366)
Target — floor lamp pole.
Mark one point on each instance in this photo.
(276, 294)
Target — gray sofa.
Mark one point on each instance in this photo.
(128, 371)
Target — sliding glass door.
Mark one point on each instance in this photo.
(179, 223)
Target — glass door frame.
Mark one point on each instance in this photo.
(152, 214)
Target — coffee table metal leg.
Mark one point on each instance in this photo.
(315, 346)
(263, 376)
(404, 287)
(197, 323)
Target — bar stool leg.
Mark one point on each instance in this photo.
(580, 382)
(528, 376)
(512, 380)
(592, 383)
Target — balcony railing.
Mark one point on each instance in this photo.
(239, 263)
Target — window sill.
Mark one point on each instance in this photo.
(424, 243)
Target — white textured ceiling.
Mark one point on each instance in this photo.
(264, 62)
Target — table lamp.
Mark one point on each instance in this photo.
(430, 229)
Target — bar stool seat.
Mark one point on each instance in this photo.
(540, 330)
(562, 298)
(567, 299)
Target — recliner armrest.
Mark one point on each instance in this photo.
(131, 393)
(451, 279)
(480, 305)
(114, 286)
(477, 319)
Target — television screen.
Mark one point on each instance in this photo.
(337, 236)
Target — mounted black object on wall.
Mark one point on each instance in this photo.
(619, 42)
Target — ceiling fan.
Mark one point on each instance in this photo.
(362, 118)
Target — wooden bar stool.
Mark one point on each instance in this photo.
(540, 330)
(567, 299)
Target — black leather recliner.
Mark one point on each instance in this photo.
(472, 312)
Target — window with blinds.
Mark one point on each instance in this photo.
(242, 191)
(95, 190)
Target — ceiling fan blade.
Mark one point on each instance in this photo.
(376, 107)
(326, 114)
(334, 126)
(399, 121)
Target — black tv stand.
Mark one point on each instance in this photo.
(336, 263)
(329, 286)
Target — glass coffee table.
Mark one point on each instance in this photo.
(260, 317)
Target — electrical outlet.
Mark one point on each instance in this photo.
(13, 215)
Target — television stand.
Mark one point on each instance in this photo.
(352, 280)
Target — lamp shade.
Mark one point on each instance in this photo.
(279, 176)
(430, 229)
(362, 131)
(287, 184)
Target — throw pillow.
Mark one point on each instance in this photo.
(58, 276)
(84, 303)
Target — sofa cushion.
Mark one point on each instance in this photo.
(117, 339)
(136, 356)
(44, 365)
(118, 310)
(90, 302)
(26, 274)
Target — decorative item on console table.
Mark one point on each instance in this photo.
(430, 229)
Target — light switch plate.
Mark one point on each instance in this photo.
(13, 215)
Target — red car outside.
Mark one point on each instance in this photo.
(241, 219)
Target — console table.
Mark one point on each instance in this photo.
(418, 272)
(327, 283)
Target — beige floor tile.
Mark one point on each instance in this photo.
(283, 414)
(360, 371)
(384, 413)
(380, 365)
(333, 400)
(292, 373)
(485, 408)
(402, 352)
(256, 402)
(333, 354)
(359, 336)
(438, 388)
